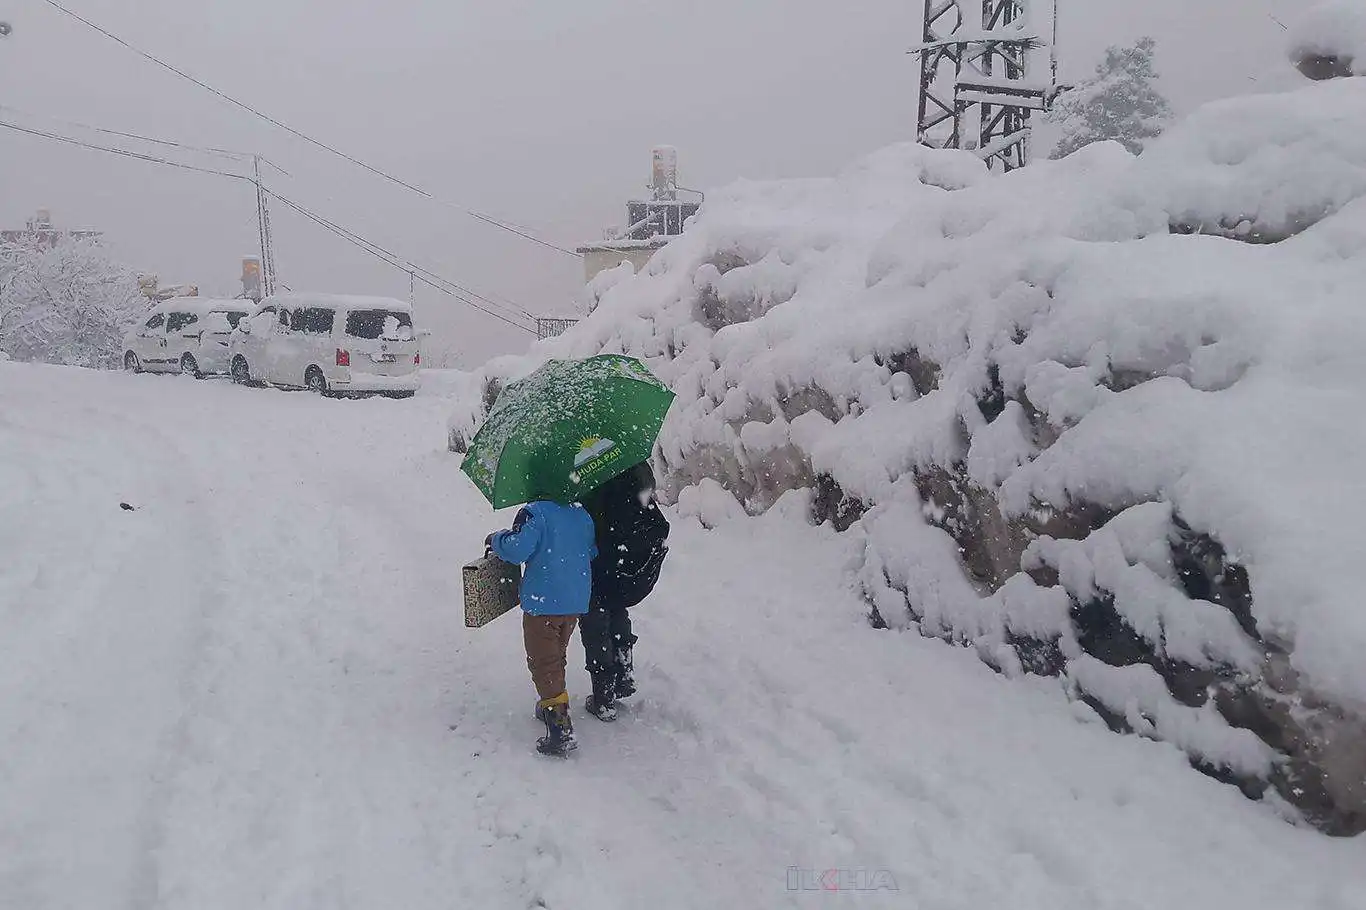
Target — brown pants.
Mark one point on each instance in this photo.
(547, 639)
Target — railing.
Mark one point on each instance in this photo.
(550, 327)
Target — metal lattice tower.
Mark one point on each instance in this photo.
(975, 90)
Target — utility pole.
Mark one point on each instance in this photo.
(263, 229)
(1053, 49)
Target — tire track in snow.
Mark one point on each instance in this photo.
(120, 587)
(351, 622)
(145, 891)
(245, 789)
(425, 636)
(590, 807)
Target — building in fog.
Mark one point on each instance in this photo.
(40, 231)
(650, 223)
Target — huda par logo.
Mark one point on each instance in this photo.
(595, 453)
(591, 448)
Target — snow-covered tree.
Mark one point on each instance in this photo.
(69, 304)
(1119, 102)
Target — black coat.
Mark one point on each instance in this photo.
(630, 531)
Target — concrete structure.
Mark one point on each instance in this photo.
(650, 223)
(599, 257)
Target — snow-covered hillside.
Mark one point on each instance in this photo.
(1097, 418)
(254, 691)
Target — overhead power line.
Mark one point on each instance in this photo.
(208, 150)
(152, 159)
(499, 301)
(426, 276)
(230, 154)
(299, 134)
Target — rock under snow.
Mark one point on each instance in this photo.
(1329, 41)
(1084, 429)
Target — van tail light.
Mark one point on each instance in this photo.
(417, 359)
(343, 358)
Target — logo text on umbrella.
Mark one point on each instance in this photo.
(595, 452)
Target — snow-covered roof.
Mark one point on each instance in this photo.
(202, 305)
(612, 246)
(339, 301)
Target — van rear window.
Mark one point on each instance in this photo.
(371, 324)
(312, 321)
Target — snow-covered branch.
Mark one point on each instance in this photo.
(69, 304)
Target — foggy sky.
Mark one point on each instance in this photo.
(540, 112)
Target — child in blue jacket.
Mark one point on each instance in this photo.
(555, 544)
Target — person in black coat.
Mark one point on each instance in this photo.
(631, 538)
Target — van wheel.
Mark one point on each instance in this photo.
(190, 367)
(241, 373)
(315, 381)
(130, 363)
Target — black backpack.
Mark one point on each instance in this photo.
(632, 535)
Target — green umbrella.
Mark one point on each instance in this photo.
(566, 429)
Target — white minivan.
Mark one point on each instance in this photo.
(331, 344)
(184, 335)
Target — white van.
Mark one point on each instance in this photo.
(331, 344)
(184, 335)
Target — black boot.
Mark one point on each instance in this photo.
(559, 731)
(602, 704)
(626, 672)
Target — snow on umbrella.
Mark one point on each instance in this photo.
(566, 429)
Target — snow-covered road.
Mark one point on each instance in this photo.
(255, 690)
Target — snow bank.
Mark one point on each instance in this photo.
(710, 503)
(1260, 168)
(1078, 433)
(1330, 39)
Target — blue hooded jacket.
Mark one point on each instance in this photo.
(556, 545)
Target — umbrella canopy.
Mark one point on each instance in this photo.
(566, 429)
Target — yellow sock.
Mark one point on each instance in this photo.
(561, 699)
